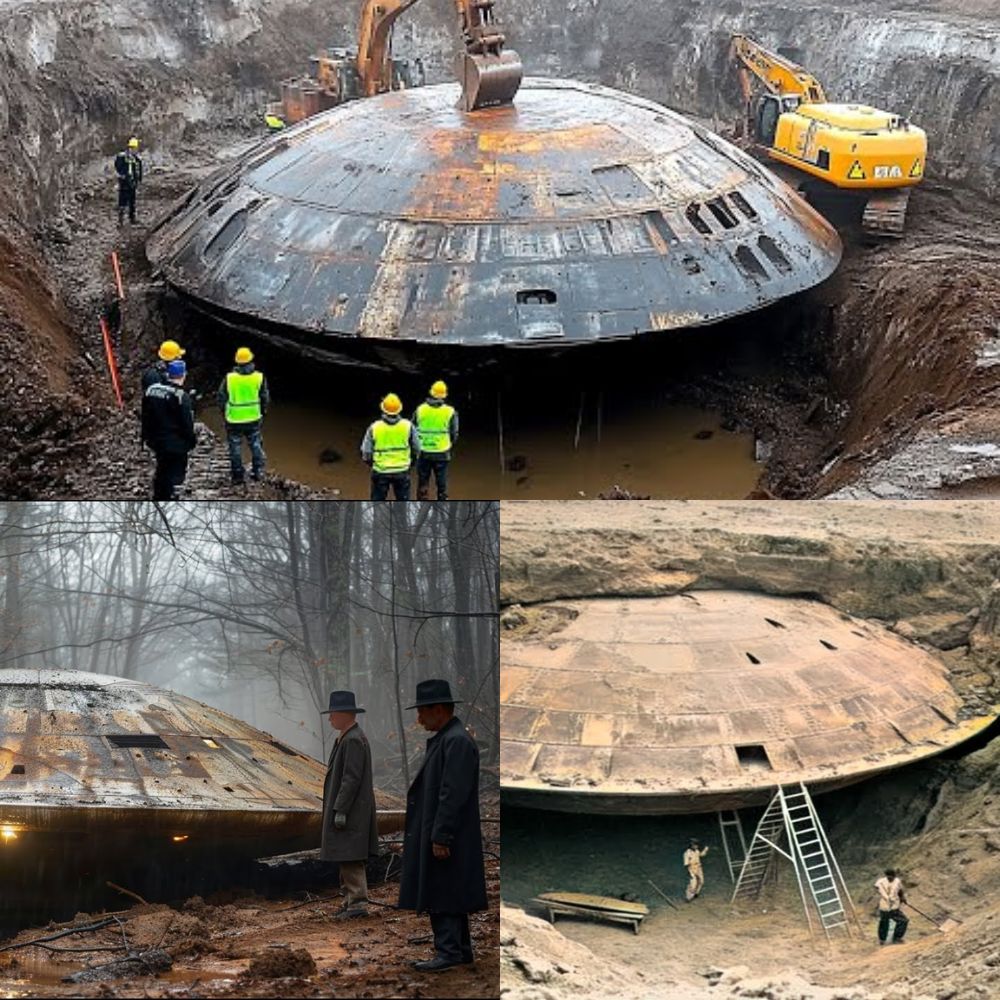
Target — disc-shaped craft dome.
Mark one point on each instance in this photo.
(576, 214)
(709, 700)
(82, 751)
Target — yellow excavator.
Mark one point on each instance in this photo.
(876, 154)
(489, 75)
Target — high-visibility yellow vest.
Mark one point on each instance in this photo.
(391, 446)
(433, 423)
(243, 404)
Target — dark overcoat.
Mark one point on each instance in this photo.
(348, 789)
(442, 807)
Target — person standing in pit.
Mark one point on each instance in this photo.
(389, 447)
(437, 427)
(890, 898)
(128, 167)
(243, 398)
(692, 862)
(168, 428)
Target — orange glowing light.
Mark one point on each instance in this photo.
(180, 838)
(8, 833)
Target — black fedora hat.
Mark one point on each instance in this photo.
(434, 693)
(342, 701)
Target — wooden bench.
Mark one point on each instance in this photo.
(579, 904)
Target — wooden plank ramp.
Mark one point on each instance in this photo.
(597, 907)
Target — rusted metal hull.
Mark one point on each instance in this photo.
(707, 701)
(579, 214)
(90, 753)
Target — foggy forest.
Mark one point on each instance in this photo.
(261, 609)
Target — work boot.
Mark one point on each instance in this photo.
(350, 912)
(436, 964)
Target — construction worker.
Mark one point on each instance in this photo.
(169, 351)
(692, 862)
(128, 167)
(437, 428)
(389, 447)
(243, 398)
(890, 898)
(168, 428)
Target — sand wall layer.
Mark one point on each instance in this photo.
(882, 559)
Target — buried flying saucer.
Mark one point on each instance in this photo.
(709, 700)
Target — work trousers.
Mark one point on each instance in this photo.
(452, 940)
(901, 920)
(399, 481)
(427, 464)
(234, 438)
(171, 471)
(126, 200)
(354, 882)
(695, 884)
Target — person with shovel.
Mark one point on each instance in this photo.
(890, 900)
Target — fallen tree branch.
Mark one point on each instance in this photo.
(82, 929)
(126, 892)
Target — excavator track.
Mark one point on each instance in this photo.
(885, 212)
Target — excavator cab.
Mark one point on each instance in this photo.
(765, 119)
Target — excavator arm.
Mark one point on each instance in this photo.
(374, 37)
(780, 76)
(489, 76)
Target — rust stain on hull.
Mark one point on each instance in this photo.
(704, 701)
(89, 752)
(578, 214)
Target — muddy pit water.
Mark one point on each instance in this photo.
(576, 424)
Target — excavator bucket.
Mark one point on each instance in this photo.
(488, 80)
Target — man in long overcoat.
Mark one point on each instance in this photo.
(350, 833)
(443, 871)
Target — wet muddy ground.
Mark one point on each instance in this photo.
(244, 945)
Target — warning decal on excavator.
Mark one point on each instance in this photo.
(856, 173)
(917, 169)
(890, 172)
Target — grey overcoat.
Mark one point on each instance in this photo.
(348, 788)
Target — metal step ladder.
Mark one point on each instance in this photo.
(791, 819)
(734, 843)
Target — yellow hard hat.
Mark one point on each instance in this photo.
(439, 390)
(244, 355)
(170, 350)
(133, 143)
(392, 405)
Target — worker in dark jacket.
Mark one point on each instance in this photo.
(443, 871)
(128, 167)
(168, 428)
(243, 397)
(168, 351)
(350, 833)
